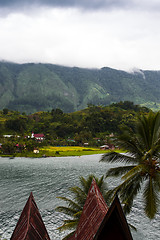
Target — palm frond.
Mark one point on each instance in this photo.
(115, 157)
(71, 203)
(75, 206)
(102, 185)
(148, 128)
(132, 227)
(131, 143)
(118, 171)
(110, 195)
(80, 195)
(78, 214)
(86, 183)
(68, 235)
(156, 128)
(151, 199)
(134, 170)
(66, 210)
(129, 190)
(70, 225)
(142, 144)
(157, 181)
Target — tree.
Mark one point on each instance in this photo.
(142, 145)
(18, 124)
(5, 111)
(75, 206)
(8, 148)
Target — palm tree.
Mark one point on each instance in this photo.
(142, 171)
(75, 206)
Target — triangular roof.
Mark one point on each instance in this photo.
(94, 210)
(30, 225)
(114, 225)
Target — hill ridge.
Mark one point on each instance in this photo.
(32, 87)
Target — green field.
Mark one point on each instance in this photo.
(69, 151)
(49, 151)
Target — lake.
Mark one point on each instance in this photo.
(48, 178)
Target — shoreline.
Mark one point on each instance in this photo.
(50, 151)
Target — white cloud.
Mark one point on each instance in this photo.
(120, 39)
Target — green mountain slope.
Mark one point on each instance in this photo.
(35, 87)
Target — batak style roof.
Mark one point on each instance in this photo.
(30, 225)
(97, 222)
(114, 225)
(94, 211)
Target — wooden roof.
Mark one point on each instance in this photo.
(114, 225)
(97, 222)
(93, 213)
(30, 225)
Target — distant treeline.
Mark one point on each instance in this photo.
(92, 122)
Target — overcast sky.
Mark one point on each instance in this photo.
(121, 34)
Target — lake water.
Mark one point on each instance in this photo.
(48, 178)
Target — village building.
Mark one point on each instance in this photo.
(114, 225)
(36, 151)
(107, 146)
(94, 211)
(98, 222)
(38, 136)
(30, 225)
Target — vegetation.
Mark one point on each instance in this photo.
(91, 127)
(74, 206)
(69, 151)
(41, 87)
(142, 145)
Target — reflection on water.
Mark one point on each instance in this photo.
(48, 178)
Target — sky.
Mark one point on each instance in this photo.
(121, 34)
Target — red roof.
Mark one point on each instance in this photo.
(94, 211)
(39, 135)
(30, 225)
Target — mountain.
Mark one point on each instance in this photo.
(34, 87)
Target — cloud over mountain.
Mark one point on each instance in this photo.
(84, 4)
(121, 34)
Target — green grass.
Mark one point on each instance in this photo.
(50, 151)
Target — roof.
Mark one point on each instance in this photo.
(97, 222)
(114, 225)
(94, 211)
(41, 135)
(30, 225)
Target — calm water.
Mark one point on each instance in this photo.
(51, 177)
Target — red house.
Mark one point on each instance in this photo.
(38, 136)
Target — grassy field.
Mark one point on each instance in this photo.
(50, 151)
(69, 151)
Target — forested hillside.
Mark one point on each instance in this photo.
(90, 122)
(41, 87)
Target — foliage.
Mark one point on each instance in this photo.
(142, 145)
(86, 124)
(75, 205)
(92, 127)
(5, 111)
(41, 87)
(8, 148)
